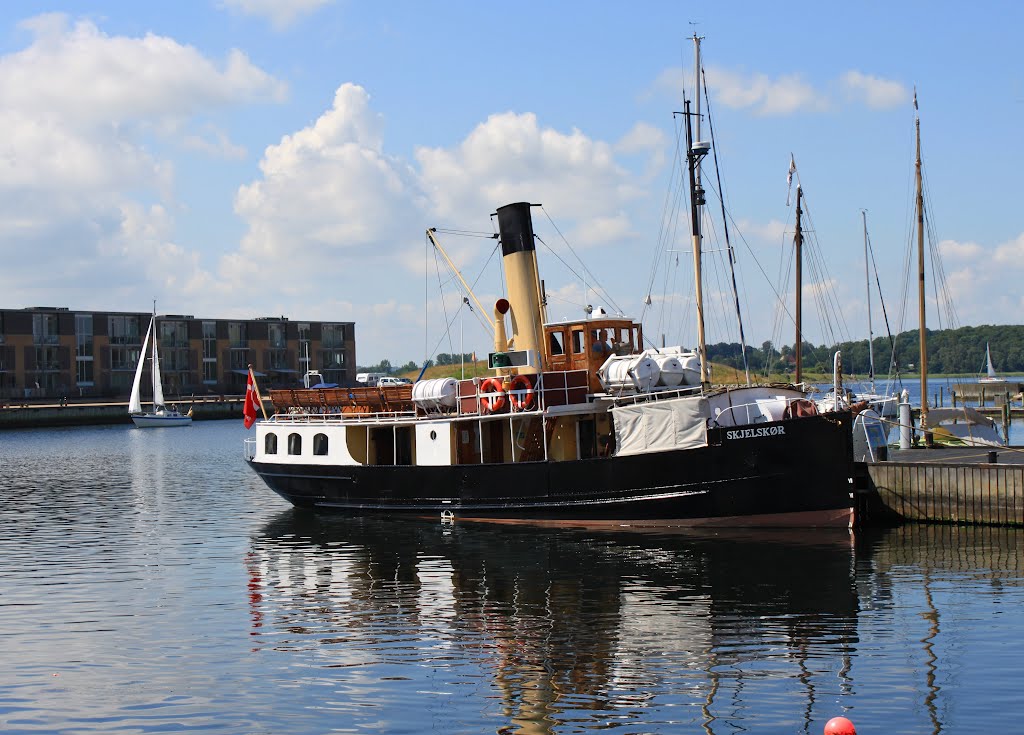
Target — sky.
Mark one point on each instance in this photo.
(251, 158)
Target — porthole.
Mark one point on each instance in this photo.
(270, 444)
(433, 435)
(320, 445)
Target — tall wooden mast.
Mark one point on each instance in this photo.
(798, 242)
(922, 338)
(696, 200)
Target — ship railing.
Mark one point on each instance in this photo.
(343, 418)
(545, 390)
(249, 448)
(658, 394)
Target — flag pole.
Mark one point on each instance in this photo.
(256, 387)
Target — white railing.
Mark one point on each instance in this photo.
(249, 448)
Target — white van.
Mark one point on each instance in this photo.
(392, 381)
(370, 378)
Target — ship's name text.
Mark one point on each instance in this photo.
(752, 433)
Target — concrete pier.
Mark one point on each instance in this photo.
(36, 415)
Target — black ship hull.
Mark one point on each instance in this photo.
(786, 473)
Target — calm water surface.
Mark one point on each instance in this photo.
(150, 583)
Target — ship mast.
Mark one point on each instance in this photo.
(694, 154)
(798, 242)
(922, 338)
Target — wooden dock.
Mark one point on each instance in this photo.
(961, 485)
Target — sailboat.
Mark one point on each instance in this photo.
(161, 414)
(990, 371)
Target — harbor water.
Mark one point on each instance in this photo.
(149, 582)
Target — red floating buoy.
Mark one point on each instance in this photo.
(840, 726)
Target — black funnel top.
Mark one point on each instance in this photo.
(515, 226)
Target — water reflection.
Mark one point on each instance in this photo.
(570, 629)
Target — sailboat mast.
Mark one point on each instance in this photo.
(922, 339)
(867, 282)
(798, 242)
(155, 372)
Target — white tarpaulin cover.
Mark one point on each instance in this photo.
(658, 426)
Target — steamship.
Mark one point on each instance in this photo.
(578, 424)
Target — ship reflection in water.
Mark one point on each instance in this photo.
(561, 629)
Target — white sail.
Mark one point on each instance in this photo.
(135, 402)
(988, 359)
(158, 391)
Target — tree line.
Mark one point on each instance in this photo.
(442, 358)
(949, 351)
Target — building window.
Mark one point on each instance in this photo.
(304, 349)
(124, 330)
(294, 444)
(320, 445)
(270, 444)
(83, 350)
(125, 358)
(210, 353)
(84, 374)
(332, 335)
(276, 337)
(44, 329)
(238, 336)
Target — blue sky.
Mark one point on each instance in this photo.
(243, 158)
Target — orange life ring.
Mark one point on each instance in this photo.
(495, 402)
(520, 394)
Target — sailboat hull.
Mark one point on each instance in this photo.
(786, 474)
(150, 421)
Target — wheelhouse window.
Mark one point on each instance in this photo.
(294, 444)
(320, 445)
(270, 444)
(577, 341)
(558, 343)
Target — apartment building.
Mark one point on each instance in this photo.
(58, 352)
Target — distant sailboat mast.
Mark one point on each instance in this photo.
(158, 391)
(867, 282)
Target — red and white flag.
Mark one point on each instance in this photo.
(249, 410)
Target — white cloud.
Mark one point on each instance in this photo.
(329, 195)
(875, 92)
(641, 138)
(509, 158)
(214, 142)
(771, 232)
(1011, 254)
(783, 95)
(786, 94)
(83, 114)
(959, 250)
(280, 13)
